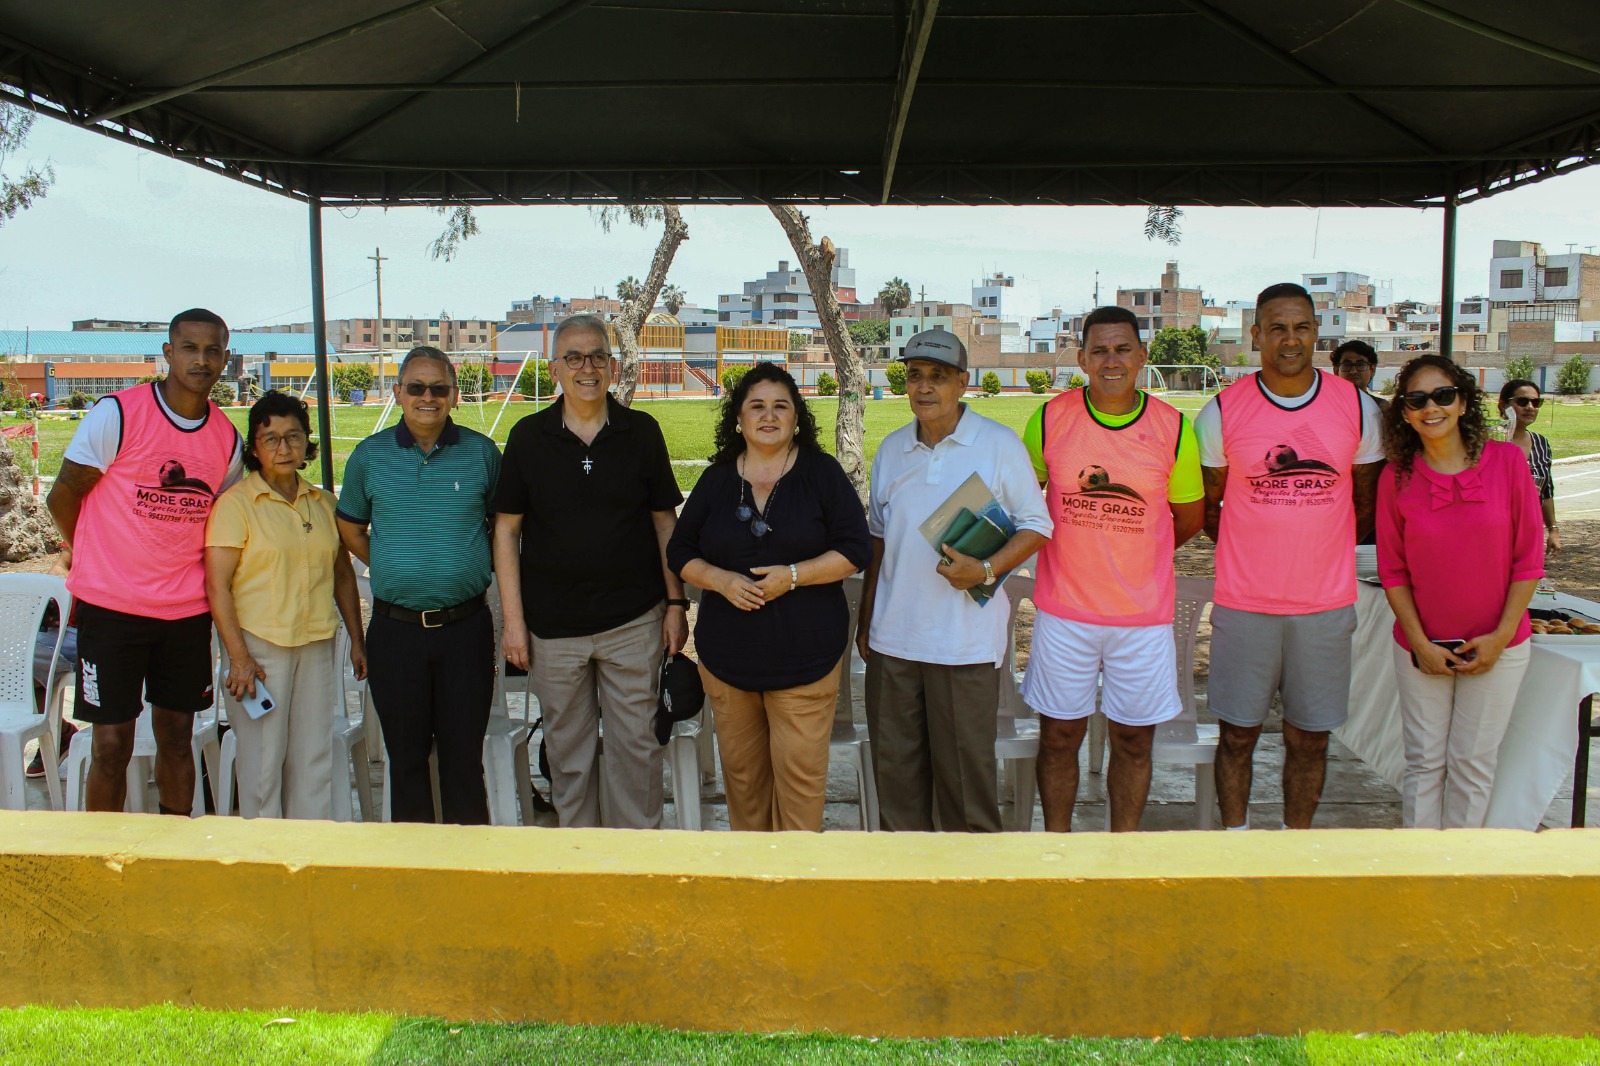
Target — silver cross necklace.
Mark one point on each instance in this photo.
(588, 463)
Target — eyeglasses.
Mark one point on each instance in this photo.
(1354, 364)
(1534, 402)
(417, 388)
(576, 360)
(272, 442)
(1443, 396)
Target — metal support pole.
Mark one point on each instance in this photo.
(319, 331)
(1447, 282)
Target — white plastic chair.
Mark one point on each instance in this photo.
(848, 742)
(23, 598)
(506, 773)
(1183, 741)
(1016, 744)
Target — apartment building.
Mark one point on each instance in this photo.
(782, 297)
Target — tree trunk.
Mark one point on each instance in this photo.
(817, 262)
(630, 323)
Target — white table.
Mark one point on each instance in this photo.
(1541, 743)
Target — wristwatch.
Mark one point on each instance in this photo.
(988, 573)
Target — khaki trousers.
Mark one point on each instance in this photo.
(574, 677)
(774, 748)
(1453, 727)
(933, 729)
(285, 761)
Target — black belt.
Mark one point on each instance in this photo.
(431, 619)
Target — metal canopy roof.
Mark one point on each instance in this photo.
(1221, 102)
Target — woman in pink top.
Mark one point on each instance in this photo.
(1458, 576)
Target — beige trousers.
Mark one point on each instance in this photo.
(774, 748)
(574, 678)
(285, 761)
(1453, 727)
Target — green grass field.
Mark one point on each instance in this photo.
(35, 1036)
(1573, 428)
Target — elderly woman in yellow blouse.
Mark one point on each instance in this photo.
(275, 575)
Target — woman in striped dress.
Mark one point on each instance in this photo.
(1522, 398)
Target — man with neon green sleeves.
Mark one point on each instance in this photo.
(1123, 485)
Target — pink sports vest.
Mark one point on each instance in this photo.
(1288, 518)
(1109, 561)
(140, 543)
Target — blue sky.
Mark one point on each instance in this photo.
(127, 233)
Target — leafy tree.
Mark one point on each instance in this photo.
(460, 226)
(629, 324)
(1161, 224)
(991, 384)
(1172, 346)
(895, 294)
(474, 381)
(1038, 380)
(827, 384)
(346, 377)
(151, 379)
(78, 400)
(1076, 382)
(732, 374)
(1520, 367)
(1573, 377)
(1241, 360)
(536, 375)
(19, 194)
(673, 298)
(869, 331)
(798, 341)
(896, 373)
(628, 288)
(224, 395)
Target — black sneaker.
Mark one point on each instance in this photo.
(36, 767)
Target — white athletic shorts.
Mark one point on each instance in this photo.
(1069, 659)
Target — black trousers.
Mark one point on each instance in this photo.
(432, 689)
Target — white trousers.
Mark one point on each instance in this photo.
(285, 762)
(1453, 726)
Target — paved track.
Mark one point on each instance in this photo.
(1578, 489)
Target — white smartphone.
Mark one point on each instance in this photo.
(259, 704)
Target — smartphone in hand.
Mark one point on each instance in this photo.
(1452, 646)
(259, 704)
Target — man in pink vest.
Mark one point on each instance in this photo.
(1124, 491)
(132, 499)
(1296, 453)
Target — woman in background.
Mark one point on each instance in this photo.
(1522, 397)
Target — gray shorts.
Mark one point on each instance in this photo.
(1303, 657)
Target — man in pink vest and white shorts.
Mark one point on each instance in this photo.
(1296, 452)
(1124, 491)
(132, 499)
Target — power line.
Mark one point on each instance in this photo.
(302, 307)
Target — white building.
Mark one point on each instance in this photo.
(1523, 272)
(1002, 296)
(783, 297)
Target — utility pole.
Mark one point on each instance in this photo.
(377, 258)
(1097, 288)
(922, 307)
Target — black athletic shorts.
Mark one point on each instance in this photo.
(124, 657)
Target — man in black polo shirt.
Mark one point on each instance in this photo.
(585, 505)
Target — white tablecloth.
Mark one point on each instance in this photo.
(1541, 743)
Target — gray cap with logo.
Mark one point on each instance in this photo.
(936, 346)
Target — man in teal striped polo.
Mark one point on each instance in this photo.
(415, 506)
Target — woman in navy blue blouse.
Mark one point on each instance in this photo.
(770, 531)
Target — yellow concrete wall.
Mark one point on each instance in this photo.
(1195, 933)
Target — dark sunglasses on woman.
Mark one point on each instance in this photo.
(1534, 402)
(1443, 396)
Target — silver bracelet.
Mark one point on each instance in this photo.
(794, 576)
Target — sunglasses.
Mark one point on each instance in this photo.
(575, 360)
(1443, 396)
(758, 525)
(1534, 402)
(417, 388)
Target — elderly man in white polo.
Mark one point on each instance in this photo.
(932, 651)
